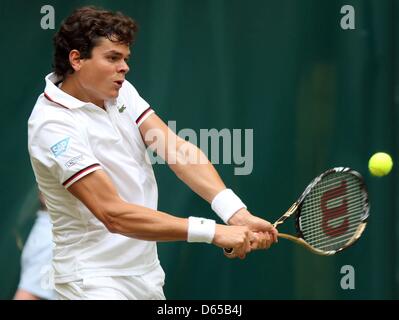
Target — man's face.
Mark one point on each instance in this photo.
(101, 76)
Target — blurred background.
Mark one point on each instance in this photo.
(315, 95)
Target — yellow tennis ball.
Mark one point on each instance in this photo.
(380, 164)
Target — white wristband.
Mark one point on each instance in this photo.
(226, 203)
(201, 230)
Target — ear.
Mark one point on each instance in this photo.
(75, 60)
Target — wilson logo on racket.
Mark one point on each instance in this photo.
(335, 212)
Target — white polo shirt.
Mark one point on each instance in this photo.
(68, 139)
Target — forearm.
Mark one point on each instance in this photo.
(192, 167)
(145, 224)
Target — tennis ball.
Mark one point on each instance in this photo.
(380, 164)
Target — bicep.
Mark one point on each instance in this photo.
(153, 130)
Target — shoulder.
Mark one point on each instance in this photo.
(47, 117)
(45, 110)
(128, 91)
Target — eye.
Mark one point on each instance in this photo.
(112, 58)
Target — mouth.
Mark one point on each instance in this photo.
(119, 83)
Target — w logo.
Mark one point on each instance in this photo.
(335, 212)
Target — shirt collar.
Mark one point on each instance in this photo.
(56, 95)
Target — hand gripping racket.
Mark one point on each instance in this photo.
(331, 214)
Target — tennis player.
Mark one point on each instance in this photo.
(88, 134)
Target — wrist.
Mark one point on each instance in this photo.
(200, 230)
(239, 218)
(226, 203)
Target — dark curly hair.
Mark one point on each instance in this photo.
(82, 31)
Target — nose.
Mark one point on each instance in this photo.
(124, 67)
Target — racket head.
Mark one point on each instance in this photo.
(332, 212)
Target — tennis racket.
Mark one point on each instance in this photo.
(331, 214)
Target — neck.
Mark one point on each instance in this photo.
(73, 87)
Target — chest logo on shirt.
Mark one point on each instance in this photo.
(60, 147)
(122, 108)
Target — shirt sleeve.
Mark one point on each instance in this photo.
(138, 107)
(63, 150)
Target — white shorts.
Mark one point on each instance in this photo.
(147, 286)
(36, 259)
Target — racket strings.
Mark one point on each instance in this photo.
(319, 239)
(338, 243)
(332, 242)
(335, 197)
(311, 208)
(324, 186)
(313, 221)
(336, 226)
(341, 198)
